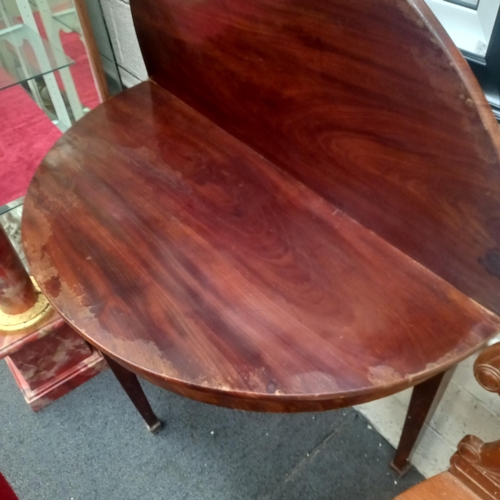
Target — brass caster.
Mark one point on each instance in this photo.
(155, 427)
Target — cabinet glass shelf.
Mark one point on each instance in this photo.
(25, 55)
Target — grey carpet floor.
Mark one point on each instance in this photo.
(92, 445)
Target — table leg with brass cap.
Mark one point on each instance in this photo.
(132, 387)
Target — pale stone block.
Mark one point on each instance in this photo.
(464, 377)
(433, 454)
(387, 415)
(108, 8)
(461, 413)
(128, 79)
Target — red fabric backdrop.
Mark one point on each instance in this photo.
(6, 492)
(26, 133)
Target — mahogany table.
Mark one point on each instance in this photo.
(299, 211)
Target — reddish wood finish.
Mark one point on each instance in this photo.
(368, 103)
(17, 293)
(477, 465)
(198, 264)
(444, 486)
(487, 369)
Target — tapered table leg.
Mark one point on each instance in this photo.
(424, 401)
(132, 387)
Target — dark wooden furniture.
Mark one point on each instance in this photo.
(444, 486)
(474, 473)
(294, 214)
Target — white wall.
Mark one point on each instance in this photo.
(124, 41)
(465, 409)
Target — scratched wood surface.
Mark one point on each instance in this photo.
(369, 104)
(195, 262)
(444, 486)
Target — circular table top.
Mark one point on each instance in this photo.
(194, 262)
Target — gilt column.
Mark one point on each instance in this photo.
(22, 306)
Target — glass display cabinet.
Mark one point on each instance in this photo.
(474, 26)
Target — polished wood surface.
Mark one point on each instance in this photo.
(369, 104)
(191, 260)
(487, 369)
(476, 463)
(441, 487)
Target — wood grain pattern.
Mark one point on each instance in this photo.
(477, 465)
(444, 486)
(369, 104)
(193, 261)
(487, 369)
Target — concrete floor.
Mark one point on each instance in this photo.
(92, 445)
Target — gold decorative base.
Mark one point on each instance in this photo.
(14, 324)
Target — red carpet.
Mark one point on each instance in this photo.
(80, 71)
(26, 133)
(6, 492)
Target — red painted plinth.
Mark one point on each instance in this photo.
(49, 362)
